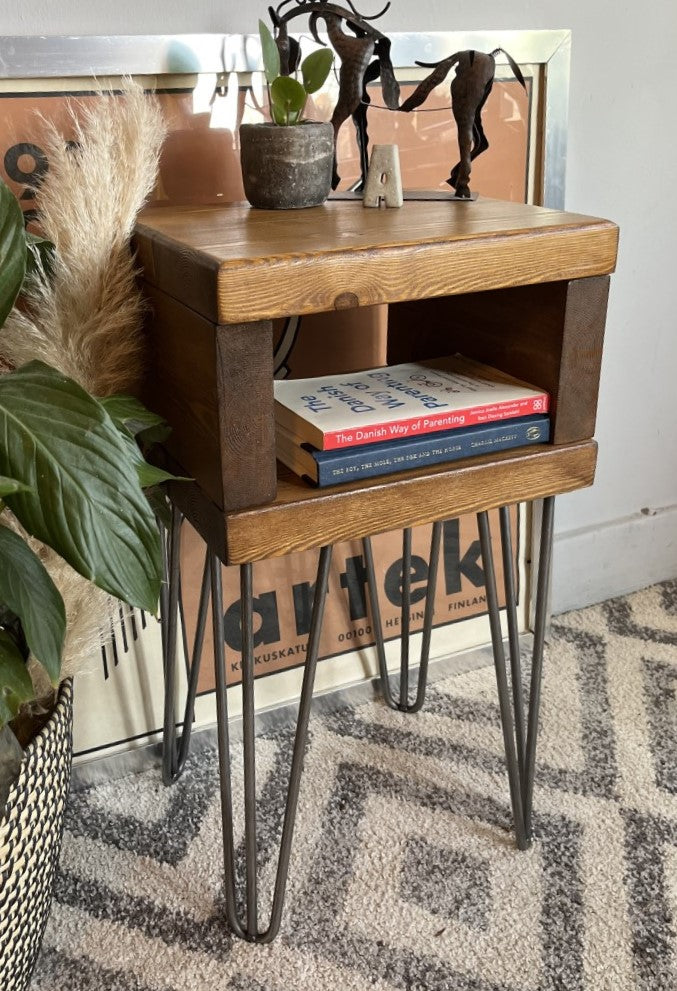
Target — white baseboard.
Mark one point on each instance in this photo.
(149, 756)
(600, 562)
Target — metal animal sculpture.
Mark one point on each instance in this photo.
(364, 55)
(470, 88)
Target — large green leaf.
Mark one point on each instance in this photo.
(315, 68)
(269, 53)
(8, 486)
(289, 97)
(29, 592)
(129, 411)
(133, 418)
(15, 682)
(12, 250)
(86, 501)
(157, 497)
(146, 473)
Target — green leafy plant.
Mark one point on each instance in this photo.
(287, 94)
(72, 474)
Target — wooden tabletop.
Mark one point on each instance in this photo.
(234, 264)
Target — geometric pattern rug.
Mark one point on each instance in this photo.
(404, 874)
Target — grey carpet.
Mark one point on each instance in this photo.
(404, 875)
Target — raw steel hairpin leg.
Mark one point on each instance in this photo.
(513, 636)
(514, 776)
(404, 705)
(175, 752)
(249, 929)
(520, 753)
(540, 627)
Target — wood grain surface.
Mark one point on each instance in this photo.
(303, 517)
(246, 417)
(236, 264)
(214, 386)
(180, 385)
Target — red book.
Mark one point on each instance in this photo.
(400, 402)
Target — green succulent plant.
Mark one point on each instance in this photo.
(72, 474)
(288, 95)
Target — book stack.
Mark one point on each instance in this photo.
(341, 428)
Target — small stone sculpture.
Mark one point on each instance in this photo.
(470, 88)
(384, 181)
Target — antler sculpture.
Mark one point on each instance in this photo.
(364, 53)
(470, 88)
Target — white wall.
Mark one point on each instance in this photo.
(622, 533)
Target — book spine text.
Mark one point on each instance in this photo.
(434, 422)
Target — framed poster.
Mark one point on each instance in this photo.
(207, 85)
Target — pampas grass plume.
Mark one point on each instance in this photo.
(85, 316)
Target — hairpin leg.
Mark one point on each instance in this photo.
(513, 635)
(403, 704)
(175, 751)
(540, 627)
(519, 741)
(247, 927)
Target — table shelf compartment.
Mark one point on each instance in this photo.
(549, 335)
(518, 287)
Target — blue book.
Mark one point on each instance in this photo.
(348, 464)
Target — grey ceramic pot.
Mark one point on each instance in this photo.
(286, 168)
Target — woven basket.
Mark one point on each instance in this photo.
(30, 841)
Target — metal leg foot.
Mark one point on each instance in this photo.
(519, 733)
(174, 750)
(246, 925)
(402, 703)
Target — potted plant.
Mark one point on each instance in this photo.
(287, 163)
(70, 480)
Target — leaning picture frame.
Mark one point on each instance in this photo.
(205, 63)
(207, 83)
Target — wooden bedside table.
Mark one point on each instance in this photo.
(519, 287)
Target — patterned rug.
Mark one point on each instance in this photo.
(404, 875)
